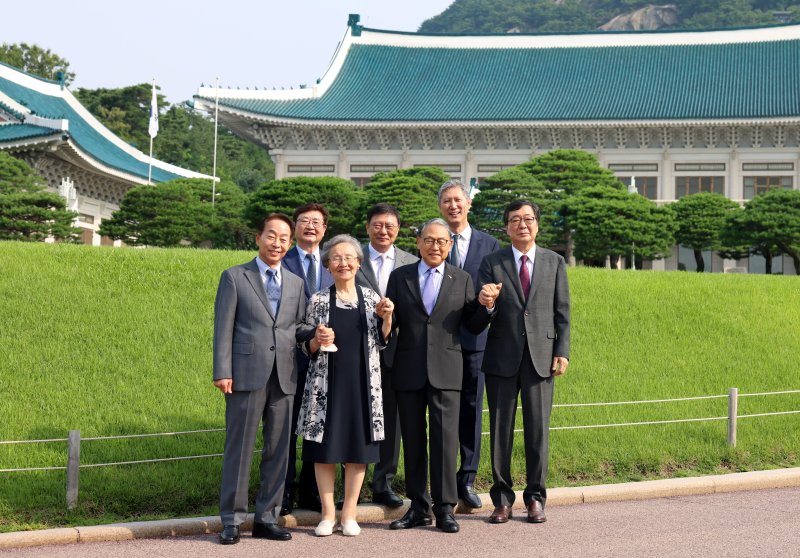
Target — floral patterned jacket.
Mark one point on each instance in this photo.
(311, 420)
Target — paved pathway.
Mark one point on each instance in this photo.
(758, 523)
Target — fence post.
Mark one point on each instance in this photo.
(733, 408)
(73, 467)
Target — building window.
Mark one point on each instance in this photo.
(687, 185)
(445, 168)
(682, 167)
(686, 261)
(373, 168)
(647, 186)
(634, 167)
(495, 168)
(767, 166)
(84, 218)
(754, 185)
(312, 168)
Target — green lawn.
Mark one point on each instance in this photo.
(118, 341)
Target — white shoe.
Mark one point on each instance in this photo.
(325, 528)
(350, 528)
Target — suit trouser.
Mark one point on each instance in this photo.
(537, 403)
(306, 485)
(243, 412)
(384, 471)
(442, 407)
(470, 420)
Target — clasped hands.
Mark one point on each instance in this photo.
(489, 293)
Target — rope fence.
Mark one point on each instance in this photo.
(74, 439)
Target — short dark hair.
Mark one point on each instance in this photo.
(306, 207)
(382, 209)
(279, 216)
(519, 204)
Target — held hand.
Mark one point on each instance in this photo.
(489, 293)
(324, 335)
(225, 385)
(384, 309)
(559, 365)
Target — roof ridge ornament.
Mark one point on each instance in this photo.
(353, 23)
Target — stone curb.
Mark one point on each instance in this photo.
(370, 513)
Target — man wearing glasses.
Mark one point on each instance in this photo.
(383, 225)
(528, 347)
(310, 223)
(432, 300)
(468, 249)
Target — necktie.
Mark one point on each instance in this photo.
(455, 257)
(383, 273)
(429, 291)
(273, 290)
(524, 277)
(311, 273)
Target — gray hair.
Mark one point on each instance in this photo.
(335, 241)
(455, 183)
(436, 221)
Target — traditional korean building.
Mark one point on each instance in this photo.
(42, 123)
(681, 112)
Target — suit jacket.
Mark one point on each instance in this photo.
(292, 262)
(429, 347)
(249, 340)
(480, 245)
(541, 321)
(365, 277)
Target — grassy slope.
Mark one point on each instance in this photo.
(114, 341)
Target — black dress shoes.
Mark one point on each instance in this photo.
(309, 502)
(469, 496)
(535, 512)
(229, 535)
(388, 499)
(270, 531)
(412, 518)
(447, 523)
(286, 506)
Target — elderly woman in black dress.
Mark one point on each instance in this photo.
(341, 417)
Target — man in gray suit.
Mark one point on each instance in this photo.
(258, 309)
(383, 224)
(527, 346)
(432, 300)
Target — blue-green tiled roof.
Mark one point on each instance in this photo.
(13, 132)
(610, 83)
(82, 132)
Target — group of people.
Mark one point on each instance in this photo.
(350, 346)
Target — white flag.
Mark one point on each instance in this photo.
(153, 127)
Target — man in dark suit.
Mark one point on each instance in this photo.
(257, 312)
(528, 346)
(469, 247)
(382, 257)
(432, 299)
(311, 222)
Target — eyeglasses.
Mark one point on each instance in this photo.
(517, 221)
(379, 226)
(343, 259)
(440, 242)
(305, 221)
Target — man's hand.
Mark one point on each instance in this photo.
(489, 293)
(559, 365)
(384, 309)
(225, 385)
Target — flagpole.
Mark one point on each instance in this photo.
(152, 130)
(214, 171)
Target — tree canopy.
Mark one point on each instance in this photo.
(36, 60)
(700, 219)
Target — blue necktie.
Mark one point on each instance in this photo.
(455, 257)
(311, 273)
(273, 290)
(429, 291)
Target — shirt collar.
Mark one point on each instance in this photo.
(530, 253)
(262, 268)
(302, 253)
(374, 254)
(466, 234)
(422, 267)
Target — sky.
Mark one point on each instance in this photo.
(181, 44)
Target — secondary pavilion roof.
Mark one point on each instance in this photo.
(36, 112)
(387, 78)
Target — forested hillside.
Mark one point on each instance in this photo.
(543, 16)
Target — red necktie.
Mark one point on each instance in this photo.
(524, 278)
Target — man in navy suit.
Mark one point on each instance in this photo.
(469, 247)
(310, 224)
